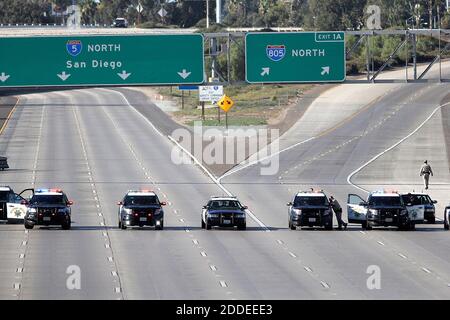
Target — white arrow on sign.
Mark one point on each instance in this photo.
(4, 77)
(325, 70)
(124, 75)
(265, 71)
(184, 74)
(63, 76)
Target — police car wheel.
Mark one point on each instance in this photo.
(207, 225)
(412, 226)
(203, 224)
(446, 226)
(242, 227)
(29, 226)
(432, 220)
(123, 226)
(328, 227)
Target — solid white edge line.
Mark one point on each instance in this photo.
(265, 158)
(217, 182)
(132, 107)
(349, 178)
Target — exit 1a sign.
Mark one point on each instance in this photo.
(295, 57)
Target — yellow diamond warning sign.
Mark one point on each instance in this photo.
(225, 103)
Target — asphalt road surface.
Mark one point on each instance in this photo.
(96, 146)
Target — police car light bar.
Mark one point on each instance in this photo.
(48, 190)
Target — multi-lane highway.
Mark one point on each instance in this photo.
(95, 145)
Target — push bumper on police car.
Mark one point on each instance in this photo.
(226, 219)
(47, 216)
(143, 217)
(318, 217)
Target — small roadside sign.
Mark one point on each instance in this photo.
(139, 8)
(210, 93)
(225, 103)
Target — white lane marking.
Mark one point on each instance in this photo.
(265, 158)
(307, 269)
(349, 178)
(105, 234)
(213, 268)
(217, 182)
(380, 243)
(223, 284)
(19, 270)
(187, 230)
(114, 273)
(26, 231)
(140, 114)
(24, 243)
(110, 259)
(292, 255)
(203, 253)
(325, 285)
(100, 214)
(106, 245)
(195, 241)
(280, 242)
(402, 255)
(22, 256)
(16, 286)
(425, 270)
(118, 289)
(363, 232)
(181, 220)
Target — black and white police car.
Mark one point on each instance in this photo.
(141, 208)
(12, 205)
(422, 205)
(49, 207)
(310, 209)
(383, 208)
(224, 211)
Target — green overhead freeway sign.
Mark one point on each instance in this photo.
(295, 57)
(101, 60)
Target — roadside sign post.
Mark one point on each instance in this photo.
(101, 60)
(225, 104)
(295, 57)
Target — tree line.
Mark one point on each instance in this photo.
(308, 14)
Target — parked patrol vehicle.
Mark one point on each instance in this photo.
(49, 207)
(141, 208)
(310, 209)
(12, 205)
(382, 208)
(447, 217)
(418, 203)
(224, 212)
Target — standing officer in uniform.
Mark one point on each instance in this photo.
(425, 171)
(338, 212)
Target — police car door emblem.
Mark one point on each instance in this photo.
(17, 212)
(275, 52)
(74, 47)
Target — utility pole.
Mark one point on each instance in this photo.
(207, 14)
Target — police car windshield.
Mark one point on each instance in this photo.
(224, 205)
(48, 199)
(4, 195)
(385, 201)
(310, 201)
(141, 200)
